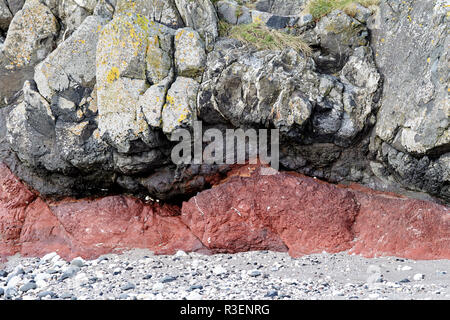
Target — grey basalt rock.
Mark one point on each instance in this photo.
(190, 55)
(132, 54)
(181, 105)
(281, 7)
(412, 136)
(116, 78)
(31, 37)
(71, 13)
(162, 11)
(233, 13)
(72, 64)
(284, 90)
(5, 15)
(338, 35)
(201, 16)
(15, 5)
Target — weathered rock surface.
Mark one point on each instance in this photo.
(30, 38)
(247, 211)
(15, 5)
(181, 105)
(31, 35)
(190, 55)
(162, 11)
(412, 135)
(86, 228)
(124, 55)
(237, 88)
(201, 16)
(281, 7)
(72, 64)
(92, 91)
(5, 15)
(250, 211)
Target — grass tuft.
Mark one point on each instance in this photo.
(264, 38)
(320, 8)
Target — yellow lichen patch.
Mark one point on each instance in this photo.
(78, 129)
(142, 22)
(179, 34)
(257, 19)
(170, 100)
(183, 117)
(113, 75)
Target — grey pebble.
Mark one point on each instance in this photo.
(3, 274)
(168, 279)
(271, 294)
(128, 286)
(19, 271)
(71, 271)
(255, 273)
(10, 292)
(93, 280)
(195, 287)
(28, 286)
(46, 293)
(78, 262)
(147, 276)
(52, 271)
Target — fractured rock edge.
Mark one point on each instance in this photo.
(247, 211)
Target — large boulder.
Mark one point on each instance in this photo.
(412, 136)
(31, 131)
(233, 13)
(181, 105)
(71, 12)
(190, 55)
(31, 35)
(72, 65)
(132, 53)
(338, 35)
(284, 90)
(162, 11)
(5, 15)
(201, 16)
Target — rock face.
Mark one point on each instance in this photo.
(159, 66)
(162, 11)
(92, 93)
(201, 16)
(412, 134)
(236, 88)
(248, 211)
(86, 228)
(71, 67)
(5, 15)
